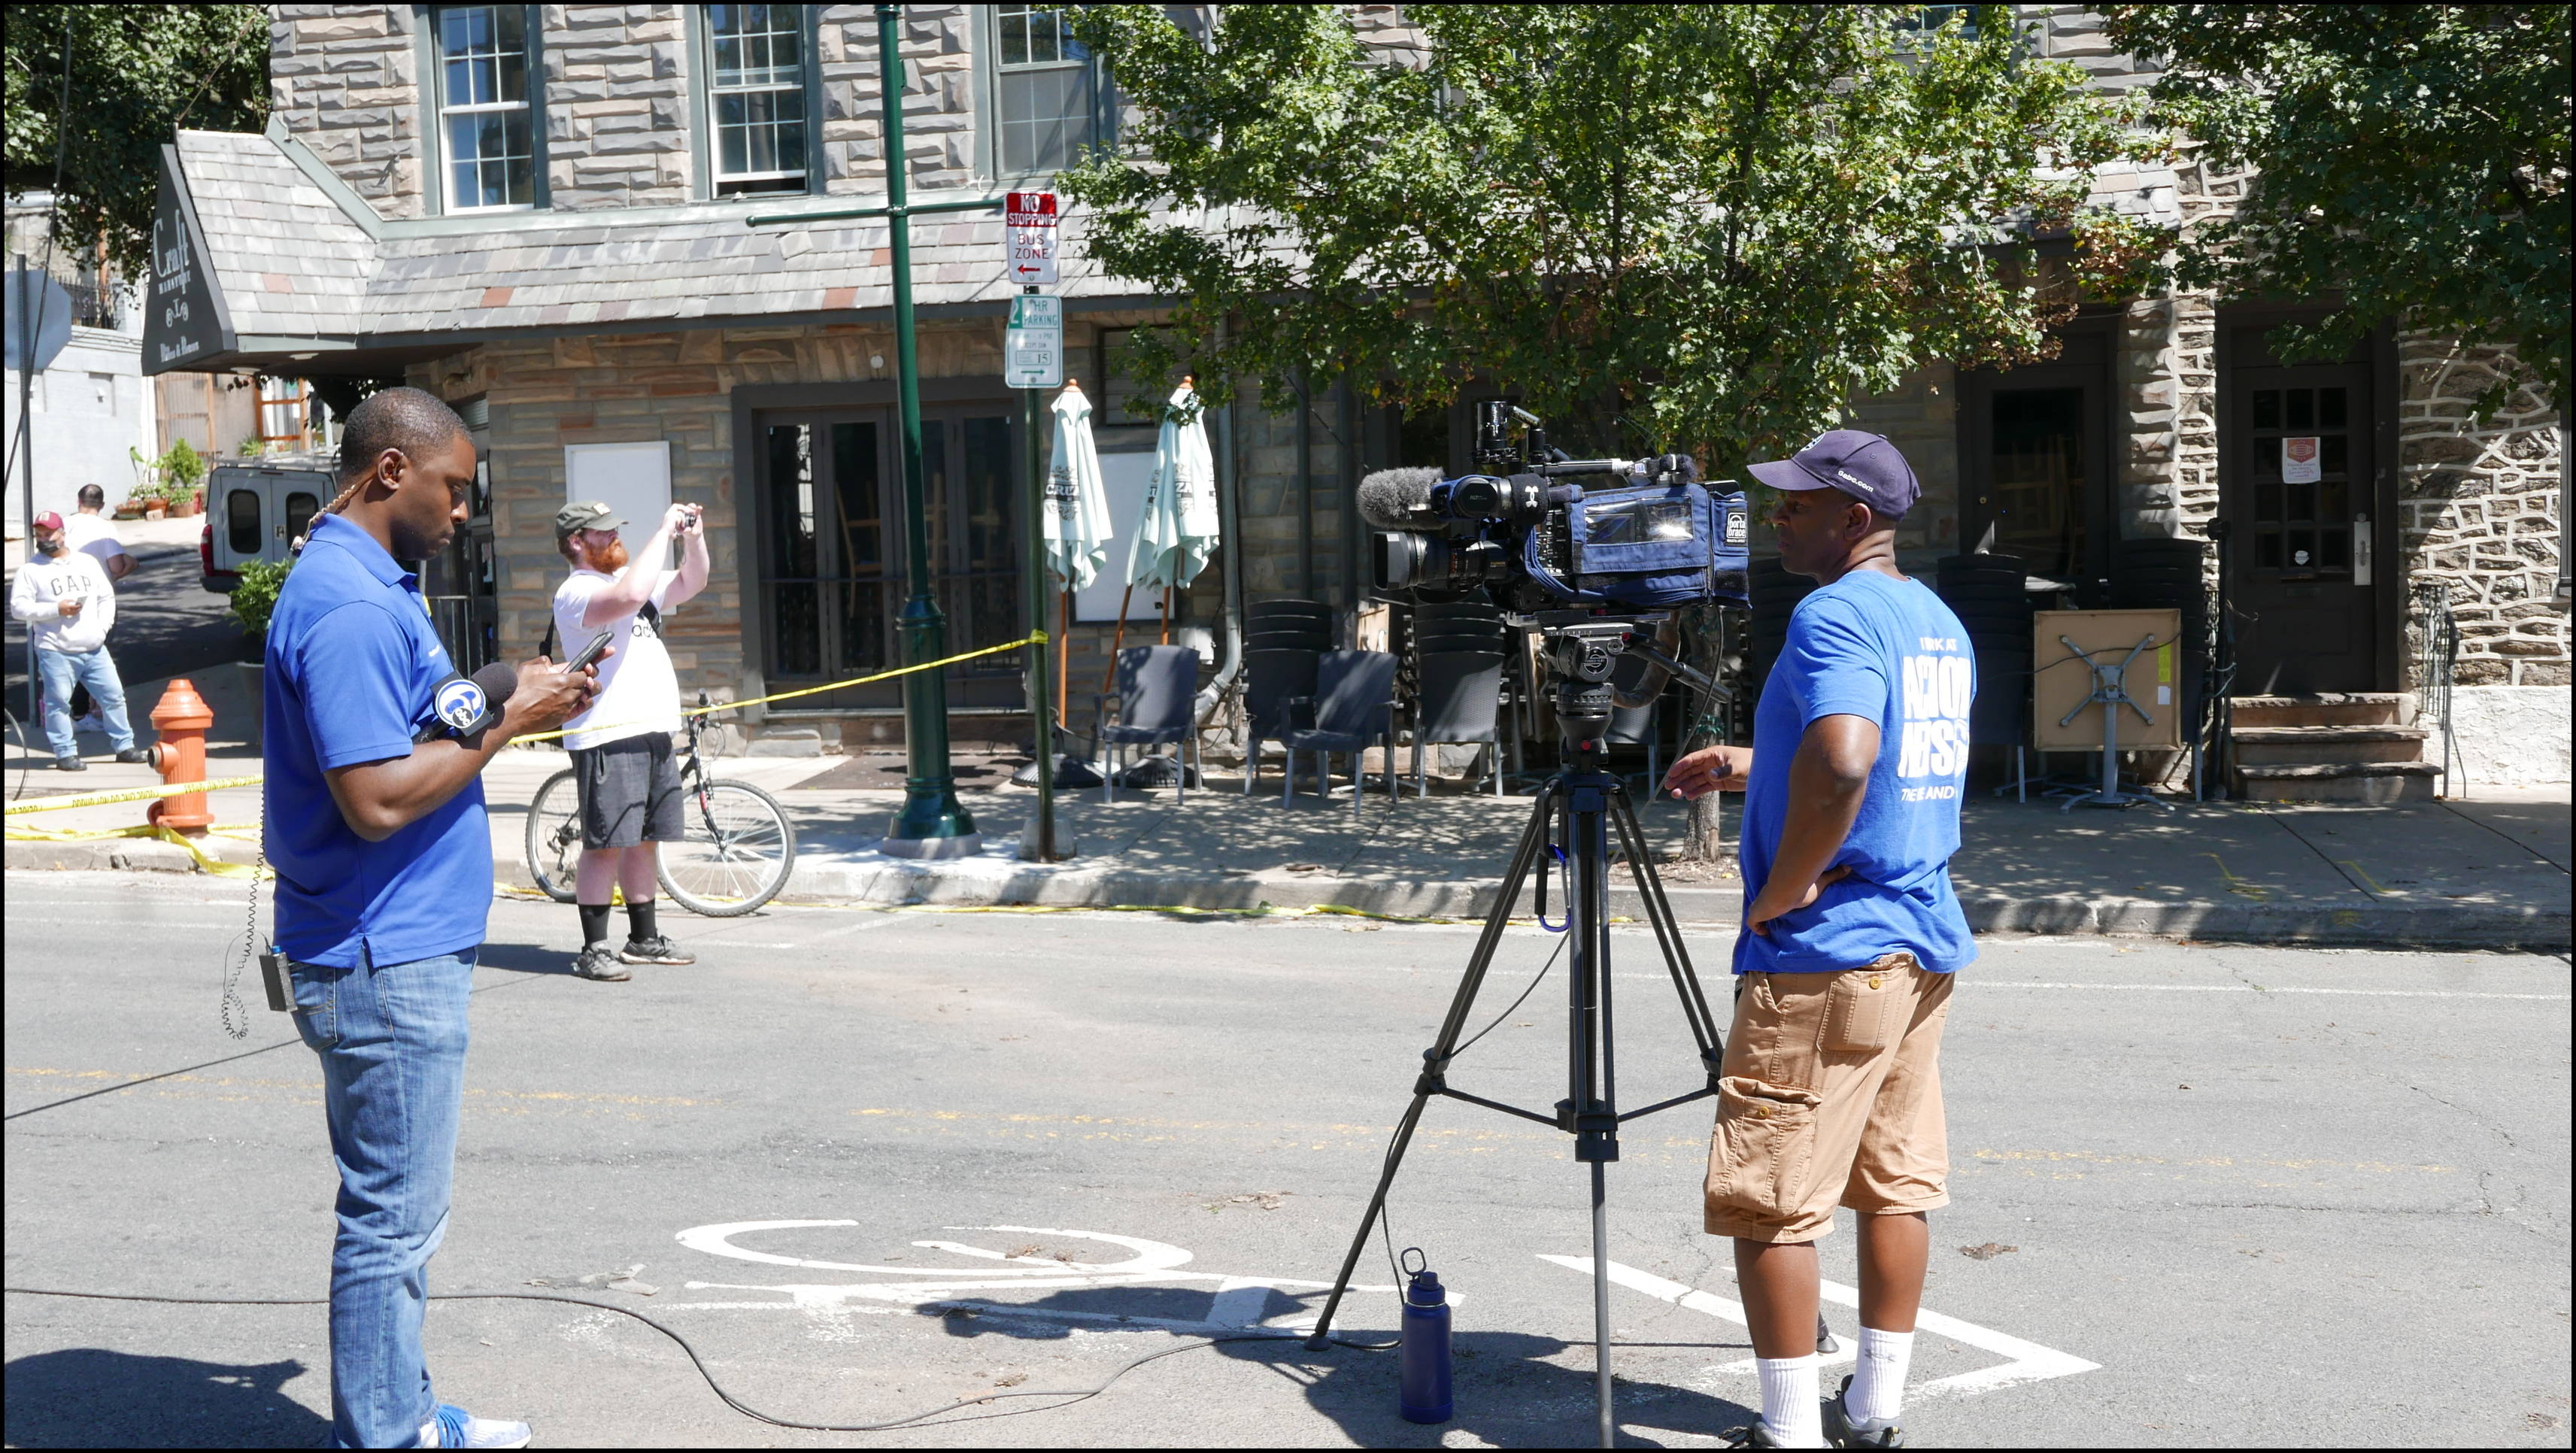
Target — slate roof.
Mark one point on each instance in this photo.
(294, 263)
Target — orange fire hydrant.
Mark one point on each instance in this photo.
(182, 718)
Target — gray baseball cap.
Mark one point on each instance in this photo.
(585, 514)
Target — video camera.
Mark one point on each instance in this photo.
(1655, 540)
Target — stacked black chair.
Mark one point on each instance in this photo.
(1458, 697)
(1990, 594)
(1282, 640)
(1476, 628)
(1287, 625)
(2167, 574)
(1774, 593)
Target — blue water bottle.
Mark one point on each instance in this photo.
(1424, 1339)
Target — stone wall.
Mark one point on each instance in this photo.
(345, 80)
(2480, 500)
(617, 112)
(939, 112)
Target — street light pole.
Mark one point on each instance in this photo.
(933, 823)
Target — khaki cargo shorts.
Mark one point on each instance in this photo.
(1830, 1094)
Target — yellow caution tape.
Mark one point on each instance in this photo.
(139, 794)
(155, 830)
(130, 794)
(1031, 639)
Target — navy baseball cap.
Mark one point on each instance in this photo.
(1860, 464)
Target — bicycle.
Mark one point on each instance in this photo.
(738, 853)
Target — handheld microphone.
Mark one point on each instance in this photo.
(461, 706)
(1392, 499)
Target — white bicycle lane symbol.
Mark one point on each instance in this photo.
(1237, 1304)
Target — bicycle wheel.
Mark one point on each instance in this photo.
(554, 836)
(738, 853)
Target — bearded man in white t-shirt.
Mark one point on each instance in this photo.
(621, 746)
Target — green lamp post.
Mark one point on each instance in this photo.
(933, 823)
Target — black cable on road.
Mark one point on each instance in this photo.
(1070, 1395)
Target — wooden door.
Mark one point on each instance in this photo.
(2296, 487)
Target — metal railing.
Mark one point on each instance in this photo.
(2437, 634)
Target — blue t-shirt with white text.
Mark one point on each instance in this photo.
(1876, 646)
(352, 663)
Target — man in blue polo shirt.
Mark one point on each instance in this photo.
(375, 828)
(1830, 1094)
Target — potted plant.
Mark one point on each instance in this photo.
(183, 478)
(249, 606)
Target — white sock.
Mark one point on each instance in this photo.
(1878, 1385)
(1790, 1410)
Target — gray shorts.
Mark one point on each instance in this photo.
(630, 792)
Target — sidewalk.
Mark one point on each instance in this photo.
(2485, 873)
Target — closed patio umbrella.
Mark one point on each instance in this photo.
(1177, 530)
(1077, 518)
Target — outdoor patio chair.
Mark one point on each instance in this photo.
(1157, 696)
(1460, 700)
(1271, 680)
(1353, 708)
(1634, 726)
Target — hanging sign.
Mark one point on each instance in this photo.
(2299, 461)
(1033, 350)
(1028, 238)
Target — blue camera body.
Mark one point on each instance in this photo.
(1643, 547)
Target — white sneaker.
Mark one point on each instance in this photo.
(453, 1427)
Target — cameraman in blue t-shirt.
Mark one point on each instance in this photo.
(1830, 1093)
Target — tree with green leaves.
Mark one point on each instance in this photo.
(1695, 227)
(2410, 161)
(137, 73)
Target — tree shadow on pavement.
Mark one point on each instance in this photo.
(86, 1397)
(1509, 1392)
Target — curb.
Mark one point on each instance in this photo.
(892, 884)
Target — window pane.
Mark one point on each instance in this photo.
(2334, 454)
(2303, 549)
(2267, 500)
(2334, 549)
(2303, 408)
(2331, 496)
(241, 521)
(791, 500)
(1046, 118)
(2330, 408)
(2267, 550)
(2267, 408)
(300, 508)
(757, 45)
(2303, 502)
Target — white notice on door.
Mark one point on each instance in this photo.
(2299, 460)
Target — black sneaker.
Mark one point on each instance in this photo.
(1751, 1435)
(1842, 1430)
(658, 950)
(599, 961)
(135, 754)
(70, 764)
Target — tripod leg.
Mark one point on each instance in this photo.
(1601, 1307)
(1436, 1058)
(1668, 934)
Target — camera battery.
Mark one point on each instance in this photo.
(273, 975)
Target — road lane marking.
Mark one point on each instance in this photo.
(2261, 989)
(2026, 1361)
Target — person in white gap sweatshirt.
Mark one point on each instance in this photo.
(64, 597)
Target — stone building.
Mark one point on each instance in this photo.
(542, 213)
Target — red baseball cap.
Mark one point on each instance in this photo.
(49, 521)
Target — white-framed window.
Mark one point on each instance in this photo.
(759, 60)
(1048, 89)
(486, 126)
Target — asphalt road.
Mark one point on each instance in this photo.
(2219, 1195)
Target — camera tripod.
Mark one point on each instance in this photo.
(1577, 811)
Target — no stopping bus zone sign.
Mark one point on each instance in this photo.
(1028, 238)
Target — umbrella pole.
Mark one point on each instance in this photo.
(1167, 615)
(1118, 639)
(1063, 651)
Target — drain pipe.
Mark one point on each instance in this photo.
(1305, 486)
(1229, 521)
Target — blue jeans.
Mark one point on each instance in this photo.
(392, 1041)
(96, 671)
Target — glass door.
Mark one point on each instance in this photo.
(2296, 491)
(832, 506)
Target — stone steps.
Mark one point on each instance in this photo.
(2274, 746)
(2375, 782)
(2330, 747)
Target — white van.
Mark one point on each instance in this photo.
(256, 508)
